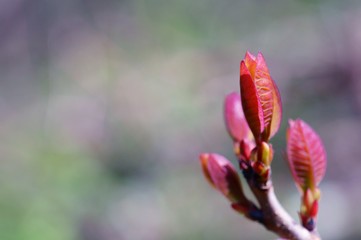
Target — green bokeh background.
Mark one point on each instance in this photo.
(106, 105)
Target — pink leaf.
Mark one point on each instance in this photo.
(305, 154)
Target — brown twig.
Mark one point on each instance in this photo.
(275, 217)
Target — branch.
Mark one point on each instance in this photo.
(275, 217)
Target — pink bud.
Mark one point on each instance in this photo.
(234, 118)
(223, 176)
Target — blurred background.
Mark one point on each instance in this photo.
(106, 105)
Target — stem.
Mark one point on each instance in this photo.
(276, 219)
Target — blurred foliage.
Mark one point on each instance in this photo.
(105, 106)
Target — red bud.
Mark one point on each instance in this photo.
(314, 209)
(309, 208)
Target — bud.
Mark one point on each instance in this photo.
(314, 209)
(223, 176)
(265, 153)
(204, 158)
(307, 222)
(261, 100)
(261, 158)
(316, 194)
(254, 154)
(234, 118)
(243, 149)
(261, 170)
(307, 199)
(309, 208)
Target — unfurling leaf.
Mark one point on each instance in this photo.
(305, 154)
(250, 102)
(260, 97)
